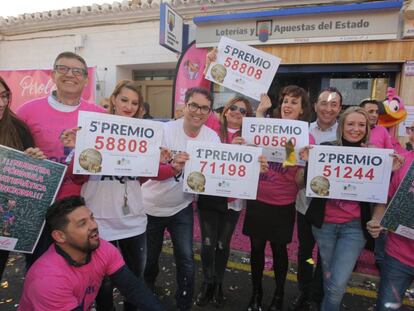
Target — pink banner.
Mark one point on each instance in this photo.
(29, 84)
(190, 70)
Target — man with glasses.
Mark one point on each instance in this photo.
(49, 116)
(310, 283)
(167, 206)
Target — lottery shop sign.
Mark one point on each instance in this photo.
(223, 170)
(242, 68)
(349, 173)
(114, 145)
(274, 134)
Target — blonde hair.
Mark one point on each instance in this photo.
(131, 85)
(341, 124)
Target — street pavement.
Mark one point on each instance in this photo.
(237, 287)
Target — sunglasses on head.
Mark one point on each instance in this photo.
(235, 107)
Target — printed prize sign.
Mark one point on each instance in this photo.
(281, 139)
(399, 216)
(349, 173)
(28, 187)
(242, 68)
(112, 145)
(223, 170)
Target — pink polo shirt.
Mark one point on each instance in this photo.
(341, 211)
(380, 138)
(278, 186)
(46, 125)
(398, 246)
(53, 284)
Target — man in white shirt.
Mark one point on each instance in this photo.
(327, 108)
(168, 207)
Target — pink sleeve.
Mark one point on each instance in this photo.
(213, 123)
(114, 258)
(44, 297)
(311, 140)
(165, 171)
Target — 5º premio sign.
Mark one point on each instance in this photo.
(113, 145)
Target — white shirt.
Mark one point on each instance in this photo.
(104, 196)
(322, 136)
(166, 197)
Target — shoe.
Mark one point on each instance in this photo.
(311, 306)
(255, 303)
(298, 302)
(218, 295)
(277, 303)
(205, 294)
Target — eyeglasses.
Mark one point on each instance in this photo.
(193, 107)
(5, 97)
(77, 72)
(409, 129)
(233, 107)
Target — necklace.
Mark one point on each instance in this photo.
(125, 207)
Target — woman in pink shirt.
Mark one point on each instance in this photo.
(397, 270)
(271, 216)
(337, 224)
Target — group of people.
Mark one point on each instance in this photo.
(72, 266)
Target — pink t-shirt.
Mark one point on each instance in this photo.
(341, 211)
(53, 284)
(46, 125)
(380, 138)
(398, 246)
(278, 186)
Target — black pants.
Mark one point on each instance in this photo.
(216, 231)
(310, 282)
(257, 261)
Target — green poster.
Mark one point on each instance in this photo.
(399, 216)
(28, 187)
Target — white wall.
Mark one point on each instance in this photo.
(114, 49)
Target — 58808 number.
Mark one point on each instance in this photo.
(243, 68)
(120, 144)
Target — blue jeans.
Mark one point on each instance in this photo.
(339, 248)
(180, 227)
(396, 277)
(134, 252)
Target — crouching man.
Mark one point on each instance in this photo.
(68, 275)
